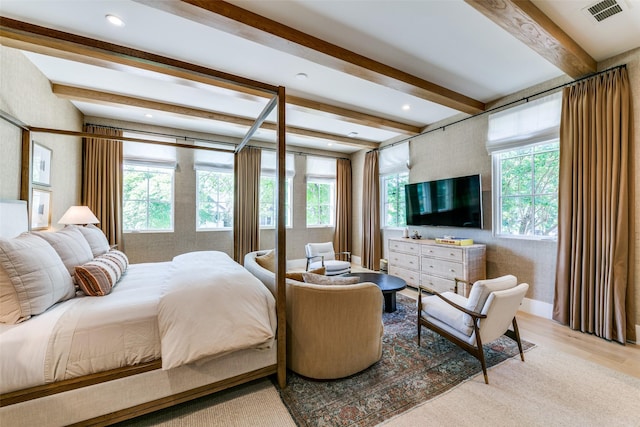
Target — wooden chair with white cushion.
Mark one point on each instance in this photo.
(322, 255)
(484, 316)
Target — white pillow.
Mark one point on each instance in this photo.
(33, 278)
(482, 288)
(70, 245)
(96, 239)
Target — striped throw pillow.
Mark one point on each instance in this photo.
(99, 276)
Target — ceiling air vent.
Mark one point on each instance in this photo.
(604, 9)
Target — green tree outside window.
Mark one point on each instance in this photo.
(147, 198)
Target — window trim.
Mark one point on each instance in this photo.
(152, 165)
(197, 201)
(332, 203)
(383, 199)
(496, 188)
(288, 205)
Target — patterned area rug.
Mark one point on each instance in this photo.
(405, 376)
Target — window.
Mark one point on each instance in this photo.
(268, 189)
(321, 182)
(148, 198)
(148, 185)
(214, 189)
(214, 199)
(524, 144)
(528, 193)
(394, 174)
(393, 199)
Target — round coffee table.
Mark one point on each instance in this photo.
(388, 284)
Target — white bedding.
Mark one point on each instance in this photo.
(122, 328)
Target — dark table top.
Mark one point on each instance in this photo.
(386, 282)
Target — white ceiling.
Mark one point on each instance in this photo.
(446, 42)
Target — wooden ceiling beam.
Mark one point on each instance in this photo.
(241, 22)
(32, 38)
(105, 98)
(523, 20)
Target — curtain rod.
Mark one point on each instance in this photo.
(211, 141)
(504, 106)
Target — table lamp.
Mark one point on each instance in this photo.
(78, 215)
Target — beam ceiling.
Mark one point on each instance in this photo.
(98, 97)
(235, 20)
(528, 24)
(45, 41)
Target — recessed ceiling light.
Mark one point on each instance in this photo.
(148, 115)
(352, 134)
(330, 144)
(115, 20)
(406, 107)
(302, 76)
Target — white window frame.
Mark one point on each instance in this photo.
(332, 197)
(384, 199)
(498, 196)
(200, 170)
(159, 168)
(268, 172)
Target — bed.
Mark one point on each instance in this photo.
(162, 333)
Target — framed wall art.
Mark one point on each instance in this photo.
(40, 209)
(41, 165)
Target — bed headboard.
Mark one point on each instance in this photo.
(14, 218)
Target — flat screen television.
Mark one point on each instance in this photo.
(452, 202)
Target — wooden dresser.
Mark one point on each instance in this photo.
(435, 266)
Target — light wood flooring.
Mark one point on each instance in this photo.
(552, 335)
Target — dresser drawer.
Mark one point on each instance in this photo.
(438, 284)
(442, 268)
(406, 247)
(442, 252)
(411, 262)
(411, 277)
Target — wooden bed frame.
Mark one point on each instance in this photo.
(38, 39)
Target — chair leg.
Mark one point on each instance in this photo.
(517, 334)
(480, 355)
(419, 328)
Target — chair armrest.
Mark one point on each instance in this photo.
(348, 254)
(466, 282)
(309, 258)
(474, 314)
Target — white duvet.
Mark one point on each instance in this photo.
(212, 306)
(157, 310)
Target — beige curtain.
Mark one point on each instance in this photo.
(594, 227)
(342, 237)
(102, 181)
(371, 242)
(246, 209)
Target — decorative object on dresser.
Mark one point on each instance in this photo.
(423, 262)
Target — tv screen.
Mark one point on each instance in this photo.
(452, 202)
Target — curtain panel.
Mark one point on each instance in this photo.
(342, 237)
(371, 240)
(595, 225)
(102, 180)
(246, 207)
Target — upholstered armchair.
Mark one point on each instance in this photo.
(322, 255)
(484, 316)
(333, 331)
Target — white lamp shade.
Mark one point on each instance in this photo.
(78, 215)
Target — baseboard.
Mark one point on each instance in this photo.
(637, 334)
(538, 308)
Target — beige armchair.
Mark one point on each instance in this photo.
(333, 331)
(484, 316)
